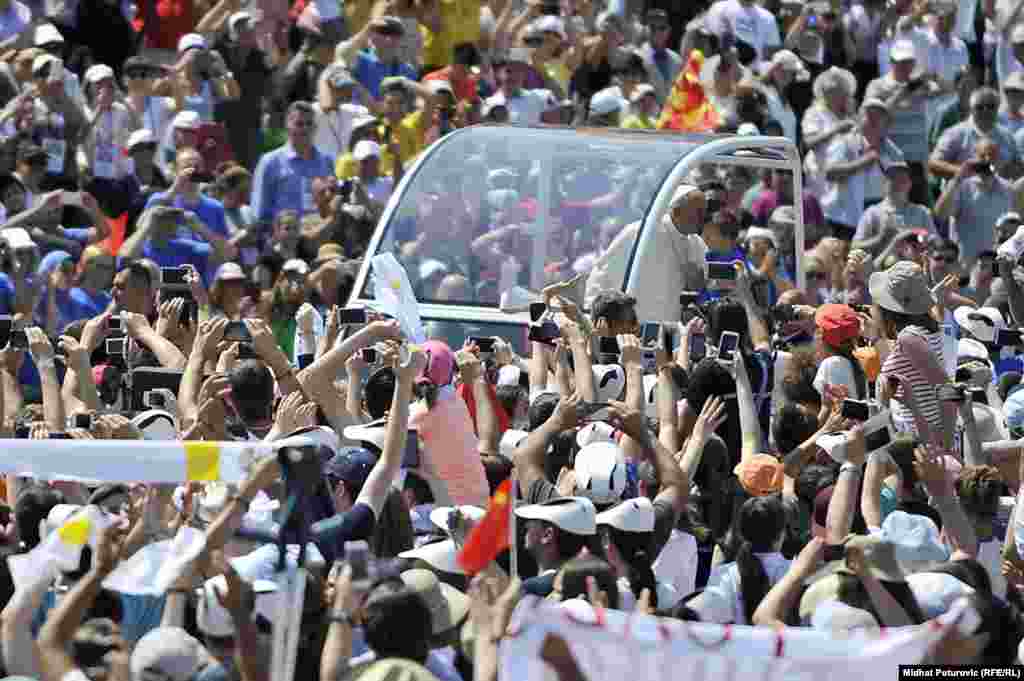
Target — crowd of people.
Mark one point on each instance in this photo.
(188, 191)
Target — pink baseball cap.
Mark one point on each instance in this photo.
(440, 363)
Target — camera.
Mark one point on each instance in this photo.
(154, 399)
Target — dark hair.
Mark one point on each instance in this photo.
(727, 314)
(92, 642)
(569, 544)
(379, 392)
(574, 579)
(902, 452)
(851, 591)
(509, 396)
(792, 427)
(613, 306)
(637, 550)
(1004, 629)
(34, 503)
(1008, 381)
(941, 245)
(252, 390)
(893, 323)
(540, 410)
(798, 379)
(497, 469)
(138, 274)
(465, 54)
(419, 487)
(813, 479)
(301, 106)
(756, 529)
(392, 533)
(561, 453)
(979, 489)
(108, 490)
(390, 608)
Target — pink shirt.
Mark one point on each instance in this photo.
(451, 450)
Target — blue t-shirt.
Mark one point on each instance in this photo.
(72, 305)
(179, 252)
(370, 71)
(6, 294)
(210, 211)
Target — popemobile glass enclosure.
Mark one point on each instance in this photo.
(488, 215)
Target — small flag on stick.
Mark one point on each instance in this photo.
(489, 537)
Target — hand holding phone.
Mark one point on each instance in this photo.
(855, 410)
(727, 345)
(594, 411)
(237, 332)
(351, 316)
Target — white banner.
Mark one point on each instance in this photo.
(149, 461)
(621, 647)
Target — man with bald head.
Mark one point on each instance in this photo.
(677, 263)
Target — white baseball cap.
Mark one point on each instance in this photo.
(510, 439)
(98, 72)
(156, 424)
(213, 619)
(140, 136)
(230, 271)
(375, 433)
(191, 40)
(575, 515)
(902, 50)
(598, 431)
(600, 470)
(983, 323)
(550, 24)
(46, 34)
(296, 265)
(632, 515)
(936, 592)
(365, 149)
(609, 379)
(437, 86)
(186, 120)
(642, 91)
(605, 102)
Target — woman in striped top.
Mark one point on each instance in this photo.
(903, 305)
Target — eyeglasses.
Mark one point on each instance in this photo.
(985, 107)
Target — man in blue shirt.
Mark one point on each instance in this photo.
(157, 238)
(184, 193)
(373, 54)
(284, 177)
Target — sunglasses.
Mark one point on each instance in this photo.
(817, 275)
(139, 75)
(986, 107)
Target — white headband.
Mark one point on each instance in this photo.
(761, 233)
(681, 193)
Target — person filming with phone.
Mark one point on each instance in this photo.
(679, 267)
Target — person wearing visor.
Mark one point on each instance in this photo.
(336, 114)
(679, 265)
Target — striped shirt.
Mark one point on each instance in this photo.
(924, 391)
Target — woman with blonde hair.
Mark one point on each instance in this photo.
(776, 77)
(831, 114)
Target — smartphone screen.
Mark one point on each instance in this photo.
(608, 346)
(649, 333)
(721, 270)
(352, 315)
(727, 345)
(698, 347)
(173, 276)
(1006, 337)
(237, 332)
(114, 324)
(688, 298)
(115, 346)
(370, 355)
(856, 410)
(83, 421)
(877, 439)
(247, 351)
(411, 456)
(537, 311)
(670, 338)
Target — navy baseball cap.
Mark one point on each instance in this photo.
(351, 464)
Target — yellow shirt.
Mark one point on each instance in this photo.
(557, 71)
(411, 136)
(638, 122)
(460, 23)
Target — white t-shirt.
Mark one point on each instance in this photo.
(836, 371)
(334, 129)
(676, 565)
(752, 24)
(526, 107)
(722, 600)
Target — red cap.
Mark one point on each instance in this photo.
(838, 323)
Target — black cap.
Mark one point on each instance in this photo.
(388, 26)
(139, 64)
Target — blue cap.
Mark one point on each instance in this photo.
(52, 261)
(351, 464)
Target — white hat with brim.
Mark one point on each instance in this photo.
(213, 619)
(915, 539)
(46, 34)
(983, 323)
(440, 516)
(902, 50)
(230, 271)
(641, 91)
(632, 515)
(139, 137)
(438, 86)
(365, 149)
(156, 424)
(186, 120)
(575, 515)
(190, 41)
(510, 440)
(836, 616)
(296, 265)
(448, 606)
(600, 470)
(98, 72)
(609, 379)
(680, 194)
(756, 232)
(441, 556)
(170, 653)
(968, 348)
(605, 102)
(374, 433)
(902, 288)
(41, 61)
